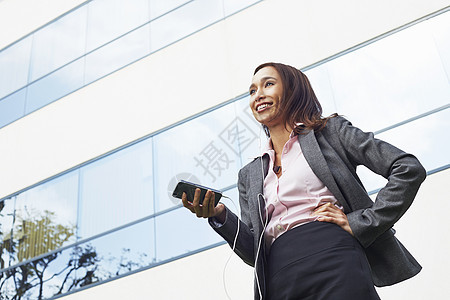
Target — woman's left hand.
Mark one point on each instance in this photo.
(330, 213)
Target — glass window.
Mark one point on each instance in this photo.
(116, 190)
(58, 271)
(117, 54)
(59, 43)
(6, 226)
(46, 217)
(320, 82)
(426, 138)
(12, 107)
(184, 21)
(56, 85)
(397, 77)
(8, 286)
(204, 150)
(440, 30)
(50, 275)
(182, 228)
(158, 8)
(108, 19)
(14, 64)
(84, 264)
(135, 250)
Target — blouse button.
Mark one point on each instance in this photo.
(279, 227)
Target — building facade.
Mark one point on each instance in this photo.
(106, 104)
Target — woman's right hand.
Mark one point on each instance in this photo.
(207, 209)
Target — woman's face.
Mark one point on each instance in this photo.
(266, 92)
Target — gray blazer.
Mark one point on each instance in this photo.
(333, 154)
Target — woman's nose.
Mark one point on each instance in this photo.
(259, 95)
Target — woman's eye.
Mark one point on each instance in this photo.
(251, 92)
(269, 84)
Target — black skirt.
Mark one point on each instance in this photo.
(318, 261)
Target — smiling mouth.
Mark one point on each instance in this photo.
(263, 106)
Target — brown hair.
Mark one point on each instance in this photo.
(299, 103)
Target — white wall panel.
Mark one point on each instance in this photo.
(20, 17)
(190, 76)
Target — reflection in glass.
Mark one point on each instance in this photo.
(116, 190)
(135, 250)
(45, 217)
(55, 85)
(184, 21)
(12, 107)
(47, 276)
(59, 43)
(108, 19)
(7, 285)
(183, 229)
(117, 54)
(6, 226)
(14, 64)
(81, 265)
(204, 150)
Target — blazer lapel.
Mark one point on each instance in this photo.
(316, 160)
(259, 172)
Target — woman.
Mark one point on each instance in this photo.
(307, 224)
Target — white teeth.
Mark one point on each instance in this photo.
(262, 107)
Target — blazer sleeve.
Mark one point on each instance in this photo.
(228, 230)
(402, 170)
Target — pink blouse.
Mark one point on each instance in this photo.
(291, 199)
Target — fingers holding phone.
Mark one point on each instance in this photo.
(200, 200)
(203, 208)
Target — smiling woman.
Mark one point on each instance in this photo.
(303, 208)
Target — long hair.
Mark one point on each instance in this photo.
(299, 103)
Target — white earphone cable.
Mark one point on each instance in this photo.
(232, 251)
(264, 223)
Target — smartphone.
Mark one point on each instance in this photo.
(189, 189)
